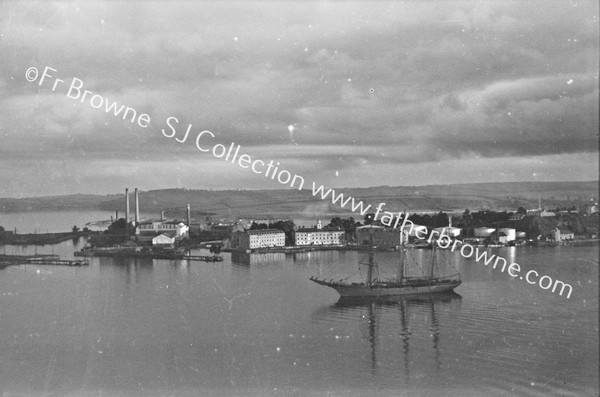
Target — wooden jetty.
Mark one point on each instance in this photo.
(58, 262)
(130, 253)
(52, 260)
(213, 258)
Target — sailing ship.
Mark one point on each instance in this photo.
(402, 284)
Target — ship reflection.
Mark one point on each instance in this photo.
(413, 318)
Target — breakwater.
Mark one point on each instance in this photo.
(42, 238)
(53, 260)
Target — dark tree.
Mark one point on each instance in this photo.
(439, 220)
(288, 228)
(336, 222)
(467, 219)
(349, 225)
(258, 226)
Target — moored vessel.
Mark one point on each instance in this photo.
(402, 284)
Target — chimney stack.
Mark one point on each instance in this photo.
(126, 206)
(189, 217)
(162, 215)
(137, 207)
(116, 215)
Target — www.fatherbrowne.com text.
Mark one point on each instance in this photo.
(205, 143)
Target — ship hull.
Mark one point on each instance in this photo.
(375, 291)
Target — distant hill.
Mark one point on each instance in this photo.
(55, 203)
(301, 204)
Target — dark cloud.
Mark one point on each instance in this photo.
(364, 85)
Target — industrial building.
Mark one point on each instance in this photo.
(181, 229)
(449, 231)
(319, 235)
(167, 239)
(509, 233)
(259, 238)
(381, 237)
(563, 235)
(483, 231)
(221, 230)
(157, 232)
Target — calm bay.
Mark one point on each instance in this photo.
(255, 325)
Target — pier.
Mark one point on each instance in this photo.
(52, 260)
(57, 262)
(203, 258)
(42, 238)
(132, 253)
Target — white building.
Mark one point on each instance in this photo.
(563, 235)
(483, 231)
(315, 236)
(181, 230)
(448, 231)
(166, 239)
(511, 234)
(260, 238)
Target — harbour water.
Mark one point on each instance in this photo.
(255, 325)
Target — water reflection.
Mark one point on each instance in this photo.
(240, 258)
(134, 269)
(406, 320)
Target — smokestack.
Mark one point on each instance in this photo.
(189, 218)
(162, 215)
(137, 208)
(116, 215)
(126, 205)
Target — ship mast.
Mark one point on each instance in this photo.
(370, 269)
(433, 252)
(401, 265)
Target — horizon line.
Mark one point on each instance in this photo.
(291, 189)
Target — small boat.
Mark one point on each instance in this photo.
(376, 287)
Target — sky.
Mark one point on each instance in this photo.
(344, 94)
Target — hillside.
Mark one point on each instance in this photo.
(55, 203)
(294, 203)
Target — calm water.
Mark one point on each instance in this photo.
(51, 221)
(255, 325)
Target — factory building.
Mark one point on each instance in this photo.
(319, 235)
(448, 231)
(563, 235)
(180, 229)
(260, 238)
(158, 232)
(382, 237)
(221, 230)
(166, 239)
(509, 233)
(483, 231)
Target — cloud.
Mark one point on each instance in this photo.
(363, 84)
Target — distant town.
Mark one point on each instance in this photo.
(170, 237)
